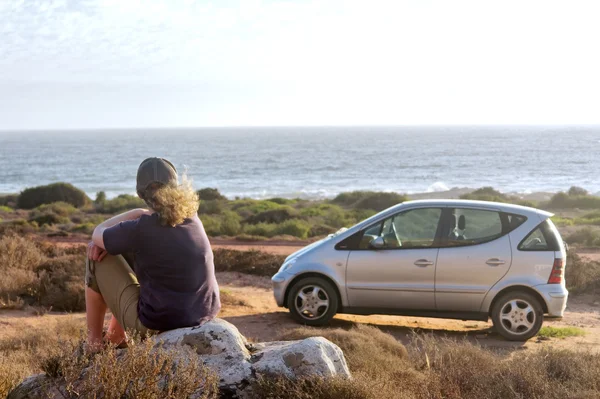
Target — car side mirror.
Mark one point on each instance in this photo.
(378, 243)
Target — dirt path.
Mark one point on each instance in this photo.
(262, 320)
(259, 319)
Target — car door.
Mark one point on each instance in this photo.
(475, 254)
(399, 275)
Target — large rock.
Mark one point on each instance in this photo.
(222, 348)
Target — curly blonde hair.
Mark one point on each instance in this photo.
(173, 203)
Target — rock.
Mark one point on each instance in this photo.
(312, 356)
(222, 348)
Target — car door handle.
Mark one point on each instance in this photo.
(495, 262)
(423, 263)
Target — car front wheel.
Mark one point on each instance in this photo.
(312, 301)
(517, 316)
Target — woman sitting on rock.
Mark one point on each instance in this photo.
(171, 283)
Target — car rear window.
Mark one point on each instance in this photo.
(542, 238)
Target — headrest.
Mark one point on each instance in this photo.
(462, 222)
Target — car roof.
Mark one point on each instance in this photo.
(497, 206)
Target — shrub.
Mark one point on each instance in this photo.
(61, 283)
(210, 194)
(121, 203)
(278, 215)
(260, 229)
(211, 207)
(282, 201)
(230, 224)
(100, 197)
(212, 225)
(6, 209)
(19, 257)
(9, 200)
(566, 201)
(17, 226)
(249, 262)
(586, 236)
(56, 192)
(441, 368)
(376, 201)
(49, 214)
(581, 276)
(294, 227)
(248, 207)
(575, 191)
(142, 371)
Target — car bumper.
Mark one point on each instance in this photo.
(556, 296)
(280, 283)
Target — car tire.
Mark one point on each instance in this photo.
(312, 301)
(517, 316)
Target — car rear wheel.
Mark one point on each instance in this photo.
(517, 316)
(312, 301)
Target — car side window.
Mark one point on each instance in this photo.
(415, 228)
(540, 239)
(473, 226)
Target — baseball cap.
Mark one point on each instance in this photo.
(155, 170)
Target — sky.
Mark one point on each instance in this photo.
(68, 64)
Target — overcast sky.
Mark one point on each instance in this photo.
(124, 63)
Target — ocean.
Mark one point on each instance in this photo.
(311, 162)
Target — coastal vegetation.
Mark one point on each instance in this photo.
(38, 276)
(61, 209)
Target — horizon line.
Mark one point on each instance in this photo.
(55, 129)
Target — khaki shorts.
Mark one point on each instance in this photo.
(114, 279)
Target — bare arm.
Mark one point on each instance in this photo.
(98, 234)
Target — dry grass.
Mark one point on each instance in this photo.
(580, 275)
(141, 371)
(24, 345)
(228, 298)
(442, 368)
(249, 262)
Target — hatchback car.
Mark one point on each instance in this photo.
(458, 259)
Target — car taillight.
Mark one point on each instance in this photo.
(558, 272)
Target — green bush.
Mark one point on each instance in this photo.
(210, 194)
(376, 201)
(577, 192)
(212, 225)
(211, 207)
(123, 202)
(6, 209)
(260, 229)
(249, 207)
(56, 192)
(294, 227)
(565, 201)
(278, 215)
(230, 224)
(282, 201)
(50, 214)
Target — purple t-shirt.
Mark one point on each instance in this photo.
(175, 269)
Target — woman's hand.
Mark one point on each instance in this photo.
(95, 253)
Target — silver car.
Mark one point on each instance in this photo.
(457, 259)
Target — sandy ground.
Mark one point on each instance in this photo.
(261, 320)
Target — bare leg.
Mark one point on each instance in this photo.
(95, 309)
(116, 333)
